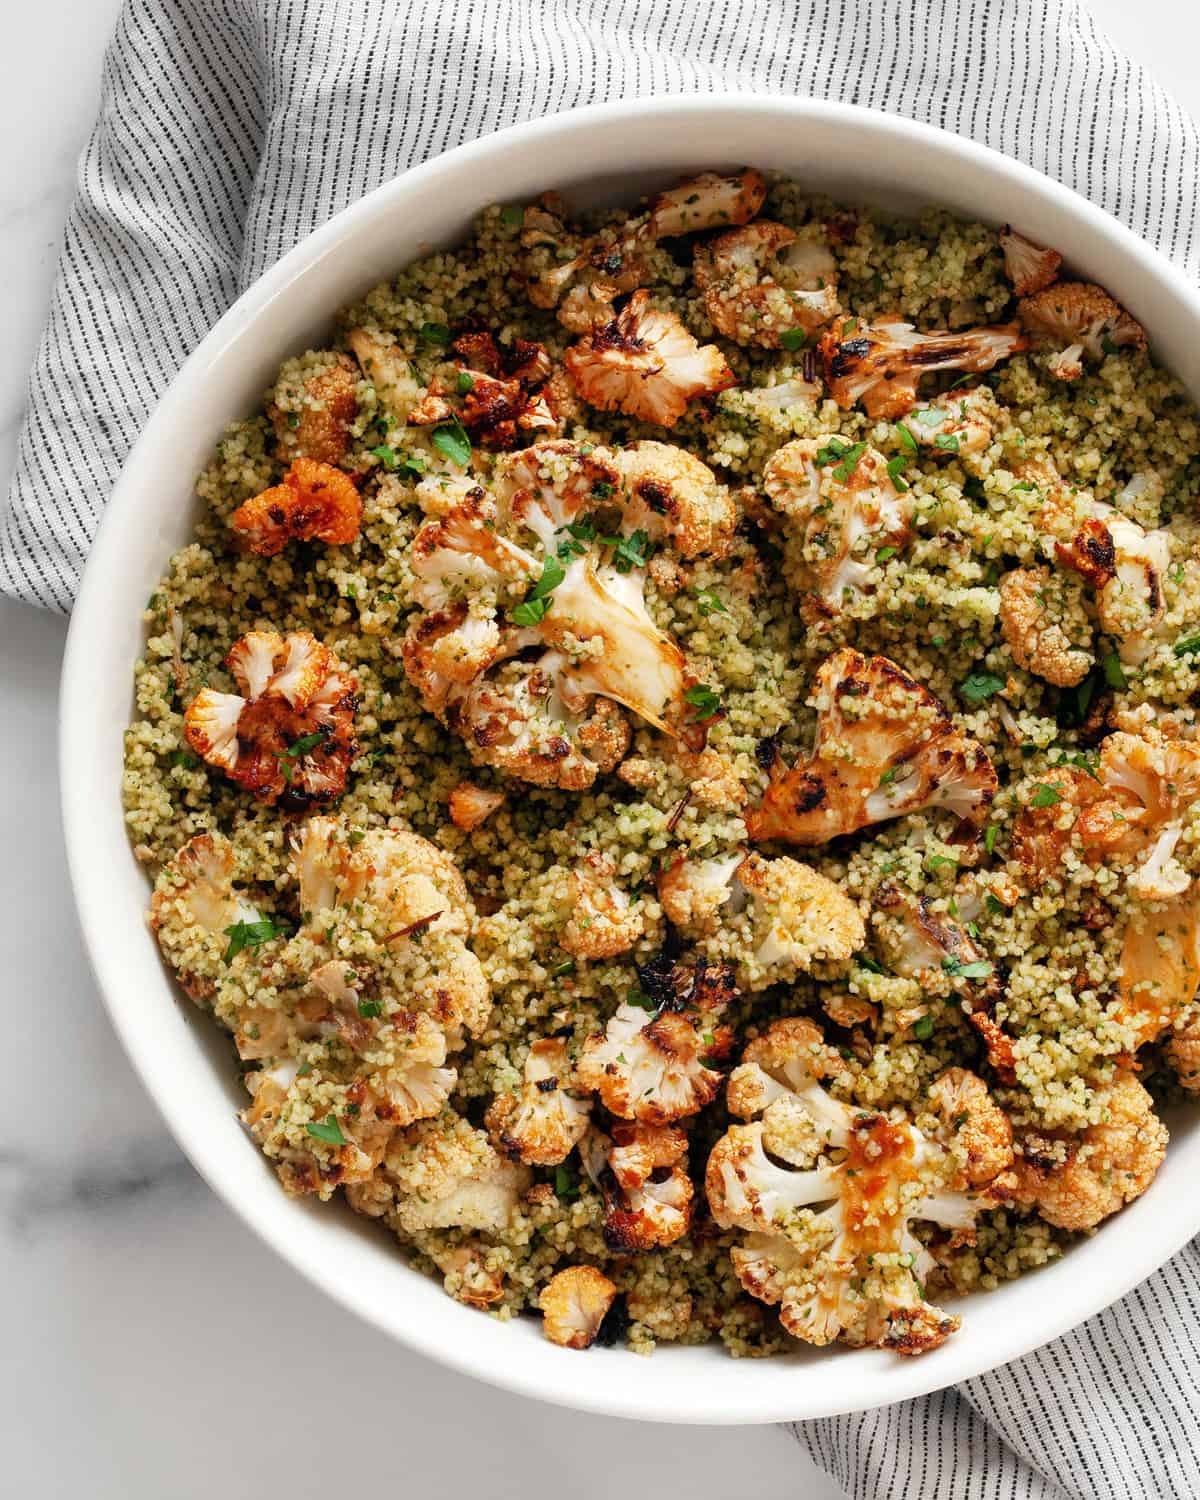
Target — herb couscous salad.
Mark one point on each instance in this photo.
(673, 754)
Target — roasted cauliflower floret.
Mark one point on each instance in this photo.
(797, 918)
(712, 200)
(979, 1128)
(647, 1191)
(826, 1194)
(542, 1124)
(1182, 1052)
(574, 1303)
(1160, 965)
(1106, 1166)
(840, 507)
(658, 1060)
(565, 268)
(762, 281)
(884, 747)
(1083, 320)
(603, 921)
(289, 736)
(383, 364)
(446, 1174)
(315, 500)
(1125, 565)
(694, 891)
(193, 898)
(645, 363)
(1033, 608)
(313, 408)
(670, 493)
(1030, 267)
(958, 422)
(880, 364)
(471, 806)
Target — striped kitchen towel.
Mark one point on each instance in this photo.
(231, 128)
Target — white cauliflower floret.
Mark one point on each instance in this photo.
(1156, 781)
(288, 738)
(658, 1060)
(194, 897)
(840, 508)
(647, 1191)
(710, 201)
(881, 363)
(543, 1124)
(1032, 613)
(574, 1303)
(456, 558)
(446, 1174)
(670, 493)
(551, 485)
(1106, 1166)
(958, 422)
(1030, 267)
(828, 1232)
(1083, 319)
(693, 892)
(762, 281)
(644, 362)
(382, 363)
(884, 747)
(603, 921)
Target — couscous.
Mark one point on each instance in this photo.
(673, 754)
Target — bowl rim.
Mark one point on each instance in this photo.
(959, 1359)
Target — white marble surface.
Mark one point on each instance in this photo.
(151, 1347)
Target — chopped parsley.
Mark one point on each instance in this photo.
(948, 441)
(1045, 795)
(641, 1000)
(393, 461)
(923, 1028)
(989, 838)
(566, 967)
(907, 441)
(940, 862)
(980, 686)
(955, 967)
(465, 382)
(1189, 646)
(369, 1009)
(451, 440)
(704, 700)
(433, 335)
(1114, 673)
(297, 749)
(328, 1131)
(512, 214)
(251, 935)
(793, 339)
(565, 1185)
(710, 603)
(895, 468)
(865, 961)
(885, 553)
(629, 551)
(529, 611)
(186, 759)
(532, 609)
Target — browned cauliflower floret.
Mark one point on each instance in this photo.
(1033, 605)
(313, 407)
(762, 281)
(542, 1125)
(710, 201)
(881, 363)
(574, 1303)
(645, 363)
(642, 1171)
(826, 1194)
(979, 1128)
(528, 694)
(288, 737)
(466, 1276)
(445, 1174)
(658, 1059)
(1031, 268)
(1083, 319)
(840, 507)
(315, 500)
(564, 267)
(670, 493)
(603, 921)
(694, 891)
(1183, 1053)
(884, 747)
(471, 806)
(1160, 964)
(958, 422)
(1105, 1167)
(796, 918)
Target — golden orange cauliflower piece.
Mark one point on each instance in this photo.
(647, 1191)
(1034, 630)
(443, 1173)
(645, 363)
(884, 747)
(312, 409)
(1106, 1166)
(671, 493)
(1030, 267)
(574, 1303)
(1083, 319)
(712, 200)
(544, 1123)
(315, 500)
(471, 806)
(194, 899)
(880, 364)
(603, 921)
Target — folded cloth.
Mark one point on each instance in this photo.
(231, 128)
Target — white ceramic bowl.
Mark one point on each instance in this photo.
(611, 152)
